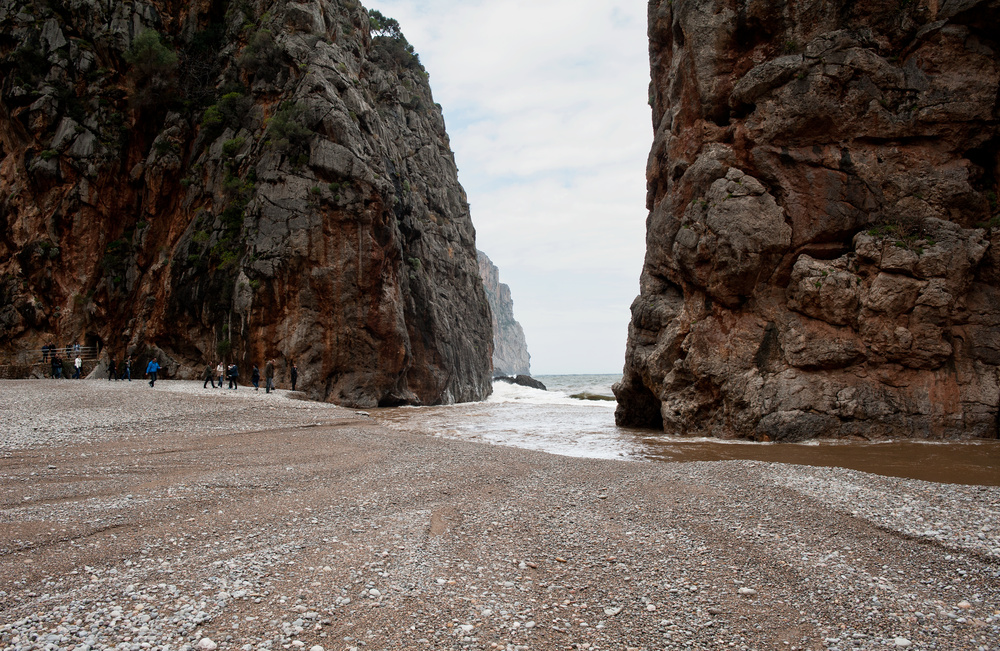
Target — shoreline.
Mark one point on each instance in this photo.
(132, 518)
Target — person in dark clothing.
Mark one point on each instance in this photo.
(209, 377)
(151, 370)
(127, 369)
(111, 370)
(45, 353)
(269, 376)
(234, 376)
(56, 366)
(255, 378)
(295, 375)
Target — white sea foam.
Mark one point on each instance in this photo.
(504, 392)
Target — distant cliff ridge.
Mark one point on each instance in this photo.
(237, 180)
(510, 351)
(823, 242)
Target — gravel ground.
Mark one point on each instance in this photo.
(186, 518)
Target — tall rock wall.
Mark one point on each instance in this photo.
(822, 243)
(238, 180)
(510, 350)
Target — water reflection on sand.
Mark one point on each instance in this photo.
(555, 423)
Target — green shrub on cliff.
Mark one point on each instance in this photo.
(230, 111)
(388, 40)
(232, 147)
(153, 67)
(287, 131)
(261, 57)
(382, 25)
(223, 348)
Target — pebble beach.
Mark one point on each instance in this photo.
(184, 518)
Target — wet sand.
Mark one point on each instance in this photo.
(975, 462)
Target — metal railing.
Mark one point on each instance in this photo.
(32, 356)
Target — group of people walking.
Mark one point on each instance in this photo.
(232, 372)
(115, 372)
(123, 370)
(53, 354)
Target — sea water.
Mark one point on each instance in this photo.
(584, 426)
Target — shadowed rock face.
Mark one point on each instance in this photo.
(822, 244)
(510, 350)
(280, 183)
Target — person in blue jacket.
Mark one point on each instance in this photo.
(151, 370)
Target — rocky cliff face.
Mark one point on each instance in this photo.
(237, 179)
(510, 351)
(822, 244)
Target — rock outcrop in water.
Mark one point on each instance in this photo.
(822, 244)
(243, 180)
(521, 380)
(510, 350)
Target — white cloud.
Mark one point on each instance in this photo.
(545, 102)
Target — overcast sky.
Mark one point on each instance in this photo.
(545, 102)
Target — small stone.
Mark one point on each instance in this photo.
(901, 642)
(375, 594)
(964, 605)
(467, 627)
(614, 610)
(206, 644)
(560, 559)
(650, 607)
(747, 591)
(316, 648)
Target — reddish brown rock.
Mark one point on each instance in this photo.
(267, 180)
(822, 240)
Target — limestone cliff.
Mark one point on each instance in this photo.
(510, 351)
(822, 243)
(237, 179)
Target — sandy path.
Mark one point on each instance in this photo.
(164, 518)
